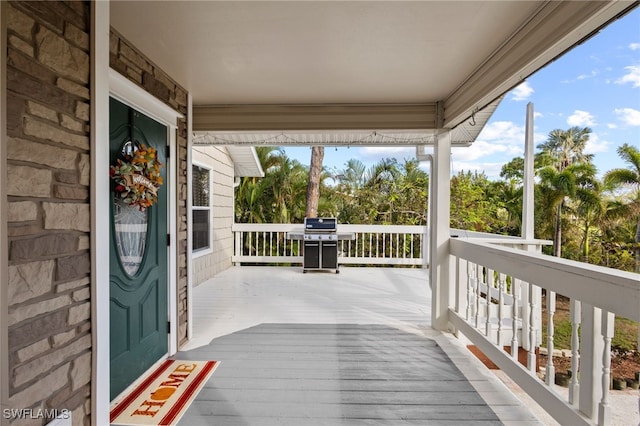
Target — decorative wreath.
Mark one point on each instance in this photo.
(137, 177)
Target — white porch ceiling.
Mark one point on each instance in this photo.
(455, 57)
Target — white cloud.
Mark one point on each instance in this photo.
(628, 116)
(522, 92)
(595, 145)
(581, 118)
(612, 125)
(590, 75)
(633, 76)
(537, 115)
(634, 46)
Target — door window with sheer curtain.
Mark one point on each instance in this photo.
(201, 208)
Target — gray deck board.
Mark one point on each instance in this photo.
(348, 349)
(344, 374)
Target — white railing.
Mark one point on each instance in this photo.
(496, 300)
(372, 245)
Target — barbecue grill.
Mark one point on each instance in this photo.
(320, 243)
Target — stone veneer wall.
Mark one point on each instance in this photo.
(48, 183)
(48, 165)
(219, 259)
(131, 63)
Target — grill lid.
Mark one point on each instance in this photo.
(320, 224)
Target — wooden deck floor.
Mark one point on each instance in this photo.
(354, 348)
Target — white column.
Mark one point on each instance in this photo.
(100, 208)
(528, 181)
(4, 251)
(189, 218)
(442, 294)
(527, 231)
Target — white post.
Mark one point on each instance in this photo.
(100, 207)
(527, 231)
(189, 216)
(604, 409)
(441, 287)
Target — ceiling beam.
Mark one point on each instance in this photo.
(555, 28)
(315, 117)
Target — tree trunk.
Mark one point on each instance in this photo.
(313, 188)
(557, 235)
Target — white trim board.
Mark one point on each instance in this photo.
(125, 91)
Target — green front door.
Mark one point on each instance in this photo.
(138, 258)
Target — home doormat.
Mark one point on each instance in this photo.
(164, 395)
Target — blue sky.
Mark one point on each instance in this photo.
(596, 84)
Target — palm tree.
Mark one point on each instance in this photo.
(566, 149)
(629, 177)
(567, 146)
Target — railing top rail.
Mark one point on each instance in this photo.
(610, 289)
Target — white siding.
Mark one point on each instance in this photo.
(219, 258)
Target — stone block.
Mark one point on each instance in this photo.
(75, 216)
(24, 312)
(133, 56)
(24, 373)
(66, 59)
(76, 36)
(83, 111)
(42, 111)
(26, 64)
(67, 177)
(22, 211)
(42, 246)
(25, 229)
(71, 123)
(62, 338)
(73, 267)
(66, 192)
(28, 352)
(24, 181)
(34, 152)
(21, 45)
(80, 295)
(61, 288)
(84, 243)
(48, 385)
(81, 371)
(73, 88)
(39, 328)
(84, 169)
(20, 23)
(42, 130)
(29, 280)
(114, 43)
(155, 87)
(79, 313)
(27, 86)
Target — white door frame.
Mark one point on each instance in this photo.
(109, 83)
(127, 92)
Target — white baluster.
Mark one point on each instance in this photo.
(574, 384)
(604, 409)
(478, 295)
(551, 310)
(531, 355)
(489, 281)
(471, 277)
(515, 289)
(501, 289)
